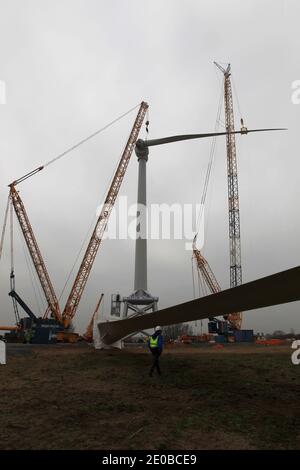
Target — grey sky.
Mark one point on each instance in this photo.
(72, 66)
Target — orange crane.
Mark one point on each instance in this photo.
(209, 278)
(101, 224)
(35, 253)
(88, 335)
(65, 318)
(56, 325)
(205, 270)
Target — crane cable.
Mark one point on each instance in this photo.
(87, 236)
(206, 183)
(193, 277)
(12, 268)
(83, 141)
(12, 265)
(201, 285)
(37, 290)
(102, 199)
(236, 97)
(4, 226)
(73, 147)
(76, 259)
(147, 124)
(210, 162)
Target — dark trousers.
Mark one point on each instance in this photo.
(155, 365)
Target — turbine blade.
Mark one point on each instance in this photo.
(279, 288)
(177, 138)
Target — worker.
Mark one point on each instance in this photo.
(28, 335)
(155, 344)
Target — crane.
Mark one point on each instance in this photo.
(64, 318)
(35, 253)
(88, 335)
(233, 190)
(37, 329)
(204, 269)
(234, 319)
(25, 307)
(101, 224)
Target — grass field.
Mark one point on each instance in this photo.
(72, 397)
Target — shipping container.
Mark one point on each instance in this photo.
(243, 336)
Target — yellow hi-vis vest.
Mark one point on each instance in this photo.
(153, 342)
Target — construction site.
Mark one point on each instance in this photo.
(75, 344)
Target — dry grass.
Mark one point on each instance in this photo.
(78, 398)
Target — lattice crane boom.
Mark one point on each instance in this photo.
(35, 253)
(233, 190)
(101, 224)
(204, 269)
(88, 335)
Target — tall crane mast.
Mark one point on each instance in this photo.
(233, 191)
(35, 253)
(101, 224)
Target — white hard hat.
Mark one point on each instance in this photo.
(158, 328)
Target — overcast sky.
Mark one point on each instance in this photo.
(71, 66)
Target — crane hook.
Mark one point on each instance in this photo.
(244, 129)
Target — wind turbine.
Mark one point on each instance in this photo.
(141, 301)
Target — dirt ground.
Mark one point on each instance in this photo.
(73, 397)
